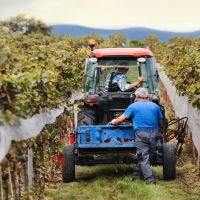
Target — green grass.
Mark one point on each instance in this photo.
(110, 182)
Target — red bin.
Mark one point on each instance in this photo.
(71, 139)
(59, 159)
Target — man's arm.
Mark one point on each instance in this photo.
(140, 79)
(120, 119)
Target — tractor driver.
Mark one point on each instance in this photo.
(117, 81)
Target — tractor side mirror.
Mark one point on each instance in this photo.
(141, 60)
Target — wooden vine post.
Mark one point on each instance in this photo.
(30, 168)
(4, 183)
(198, 164)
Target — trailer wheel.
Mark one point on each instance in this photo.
(169, 161)
(68, 164)
(86, 117)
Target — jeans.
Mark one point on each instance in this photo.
(145, 142)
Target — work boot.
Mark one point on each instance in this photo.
(152, 183)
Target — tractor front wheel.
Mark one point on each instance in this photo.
(169, 161)
(68, 164)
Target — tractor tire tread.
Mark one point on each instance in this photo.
(68, 164)
(86, 116)
(169, 161)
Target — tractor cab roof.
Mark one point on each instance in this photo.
(135, 52)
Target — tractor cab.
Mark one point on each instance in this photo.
(98, 69)
(102, 62)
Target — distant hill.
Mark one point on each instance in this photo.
(130, 33)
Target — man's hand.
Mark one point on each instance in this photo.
(141, 78)
(119, 120)
(160, 122)
(113, 121)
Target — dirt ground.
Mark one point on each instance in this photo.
(188, 175)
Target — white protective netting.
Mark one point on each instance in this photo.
(22, 129)
(183, 108)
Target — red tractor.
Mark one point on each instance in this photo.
(96, 142)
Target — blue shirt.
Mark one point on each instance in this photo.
(144, 114)
(120, 79)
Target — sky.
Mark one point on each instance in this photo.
(168, 15)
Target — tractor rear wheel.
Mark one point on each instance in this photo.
(68, 164)
(169, 161)
(86, 116)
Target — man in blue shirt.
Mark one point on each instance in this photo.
(146, 117)
(120, 78)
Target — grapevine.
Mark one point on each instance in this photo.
(38, 72)
(180, 57)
